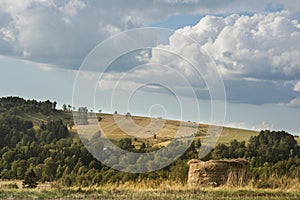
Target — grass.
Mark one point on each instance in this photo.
(229, 134)
(144, 128)
(164, 135)
(168, 131)
(141, 194)
(146, 190)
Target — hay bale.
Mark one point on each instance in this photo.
(217, 172)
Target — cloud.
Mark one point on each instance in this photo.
(151, 77)
(257, 55)
(241, 125)
(258, 92)
(262, 46)
(62, 33)
(264, 126)
(294, 103)
(297, 87)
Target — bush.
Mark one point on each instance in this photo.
(30, 180)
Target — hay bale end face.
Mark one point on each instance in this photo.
(218, 172)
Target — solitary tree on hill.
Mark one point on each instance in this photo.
(64, 107)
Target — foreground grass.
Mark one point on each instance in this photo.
(142, 194)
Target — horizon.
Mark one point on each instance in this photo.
(59, 107)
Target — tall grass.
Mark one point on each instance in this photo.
(142, 194)
(237, 178)
(284, 188)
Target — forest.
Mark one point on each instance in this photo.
(51, 152)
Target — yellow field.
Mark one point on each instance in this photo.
(143, 129)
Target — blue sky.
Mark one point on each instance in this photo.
(179, 21)
(255, 47)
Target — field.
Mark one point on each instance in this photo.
(140, 191)
(142, 194)
(144, 128)
(167, 131)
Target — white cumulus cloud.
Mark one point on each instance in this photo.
(256, 54)
(62, 32)
(262, 46)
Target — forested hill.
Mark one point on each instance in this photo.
(35, 140)
(35, 111)
(36, 143)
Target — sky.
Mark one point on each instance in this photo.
(233, 62)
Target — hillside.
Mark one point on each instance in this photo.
(35, 111)
(43, 112)
(114, 132)
(39, 144)
(169, 130)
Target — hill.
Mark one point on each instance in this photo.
(43, 112)
(33, 110)
(168, 131)
(38, 144)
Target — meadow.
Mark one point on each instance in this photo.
(168, 130)
(167, 191)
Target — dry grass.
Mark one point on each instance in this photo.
(168, 131)
(157, 189)
(229, 134)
